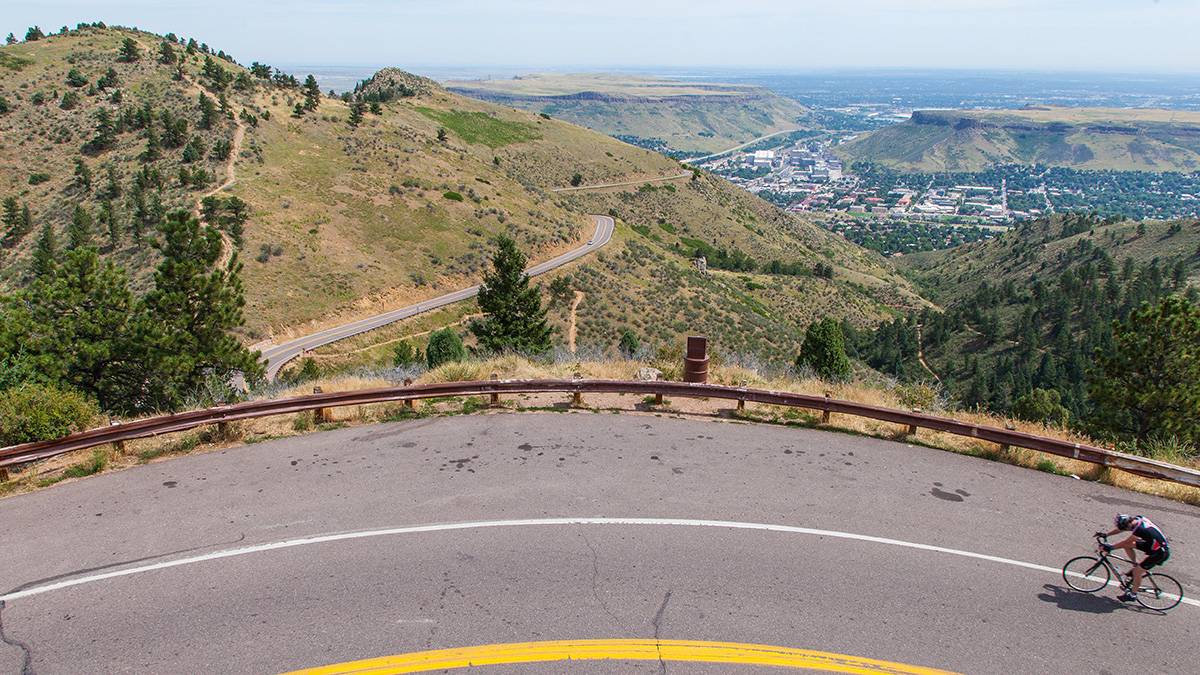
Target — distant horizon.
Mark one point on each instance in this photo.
(1152, 37)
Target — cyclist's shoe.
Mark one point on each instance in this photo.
(1127, 597)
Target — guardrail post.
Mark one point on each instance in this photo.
(118, 446)
(577, 398)
(1004, 447)
(3, 475)
(320, 415)
(912, 428)
(495, 395)
(408, 402)
(825, 414)
(742, 401)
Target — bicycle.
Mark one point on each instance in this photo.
(1089, 574)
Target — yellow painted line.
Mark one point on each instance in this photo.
(628, 650)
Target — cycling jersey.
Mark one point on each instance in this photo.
(1148, 535)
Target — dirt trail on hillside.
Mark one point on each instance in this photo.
(230, 175)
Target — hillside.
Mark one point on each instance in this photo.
(1029, 309)
(1079, 138)
(662, 114)
(354, 207)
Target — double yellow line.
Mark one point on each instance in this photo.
(629, 650)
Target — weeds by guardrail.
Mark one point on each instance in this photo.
(119, 433)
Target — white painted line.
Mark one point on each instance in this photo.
(445, 527)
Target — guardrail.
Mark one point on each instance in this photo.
(118, 433)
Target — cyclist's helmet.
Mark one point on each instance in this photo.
(1123, 521)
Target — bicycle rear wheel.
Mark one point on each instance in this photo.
(1160, 592)
(1086, 573)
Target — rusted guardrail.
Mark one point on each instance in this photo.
(117, 433)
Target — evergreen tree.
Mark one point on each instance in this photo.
(79, 233)
(192, 309)
(628, 344)
(83, 175)
(356, 114)
(824, 350)
(208, 112)
(444, 347)
(312, 93)
(78, 328)
(129, 50)
(12, 215)
(45, 254)
(514, 319)
(153, 151)
(1150, 385)
(106, 132)
(166, 53)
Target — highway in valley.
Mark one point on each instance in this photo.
(576, 542)
(275, 357)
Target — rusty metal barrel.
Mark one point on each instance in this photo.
(695, 364)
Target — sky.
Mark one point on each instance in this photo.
(1116, 36)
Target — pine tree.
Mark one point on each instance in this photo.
(166, 53)
(444, 347)
(153, 150)
(208, 112)
(1150, 385)
(824, 350)
(78, 328)
(312, 93)
(79, 233)
(193, 307)
(129, 50)
(356, 114)
(106, 132)
(12, 213)
(83, 175)
(514, 319)
(45, 254)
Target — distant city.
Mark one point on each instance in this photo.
(893, 212)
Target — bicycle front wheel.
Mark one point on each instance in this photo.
(1160, 592)
(1086, 573)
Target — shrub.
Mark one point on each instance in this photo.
(403, 354)
(35, 412)
(454, 196)
(444, 346)
(38, 178)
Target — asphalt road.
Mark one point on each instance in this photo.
(275, 357)
(366, 542)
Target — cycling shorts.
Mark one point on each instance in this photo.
(1153, 558)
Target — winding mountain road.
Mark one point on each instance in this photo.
(275, 357)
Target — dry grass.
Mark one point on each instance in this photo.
(513, 367)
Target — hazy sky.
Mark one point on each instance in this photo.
(1153, 36)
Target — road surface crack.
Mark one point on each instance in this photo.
(27, 667)
(596, 582)
(662, 664)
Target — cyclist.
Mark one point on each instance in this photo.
(1145, 537)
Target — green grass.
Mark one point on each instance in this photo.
(478, 128)
(13, 63)
(94, 465)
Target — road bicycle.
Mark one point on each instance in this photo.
(1090, 573)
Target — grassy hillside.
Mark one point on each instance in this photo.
(344, 217)
(1079, 138)
(665, 114)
